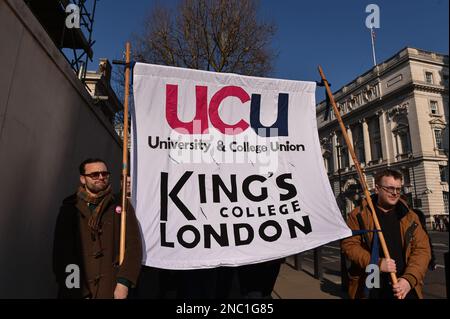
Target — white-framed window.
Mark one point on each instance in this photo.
(438, 137)
(429, 77)
(434, 107)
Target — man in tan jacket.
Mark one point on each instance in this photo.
(406, 240)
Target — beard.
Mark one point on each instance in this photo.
(97, 187)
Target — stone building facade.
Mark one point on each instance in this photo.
(396, 116)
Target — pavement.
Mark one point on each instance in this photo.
(299, 284)
(435, 282)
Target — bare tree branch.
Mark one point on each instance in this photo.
(212, 35)
(218, 35)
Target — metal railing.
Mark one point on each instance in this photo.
(318, 271)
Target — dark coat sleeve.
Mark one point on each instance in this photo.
(131, 265)
(65, 247)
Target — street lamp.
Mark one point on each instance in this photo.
(411, 158)
(338, 150)
(344, 275)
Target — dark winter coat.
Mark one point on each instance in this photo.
(96, 256)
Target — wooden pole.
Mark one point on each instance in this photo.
(123, 220)
(361, 175)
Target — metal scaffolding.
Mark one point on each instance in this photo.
(75, 42)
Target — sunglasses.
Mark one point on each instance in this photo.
(96, 175)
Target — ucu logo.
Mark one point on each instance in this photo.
(203, 110)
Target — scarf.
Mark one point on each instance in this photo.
(101, 199)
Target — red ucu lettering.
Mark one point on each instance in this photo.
(200, 124)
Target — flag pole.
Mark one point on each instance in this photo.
(372, 33)
(123, 220)
(361, 175)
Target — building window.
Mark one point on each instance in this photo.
(429, 77)
(342, 150)
(434, 107)
(405, 144)
(327, 154)
(406, 177)
(438, 137)
(443, 172)
(328, 164)
(445, 195)
(375, 139)
(358, 143)
(402, 136)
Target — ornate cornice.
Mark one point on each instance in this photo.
(429, 88)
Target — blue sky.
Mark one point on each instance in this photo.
(330, 33)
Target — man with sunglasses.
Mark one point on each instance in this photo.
(87, 236)
(405, 238)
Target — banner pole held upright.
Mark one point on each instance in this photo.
(361, 175)
(123, 220)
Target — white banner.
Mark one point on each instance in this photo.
(227, 169)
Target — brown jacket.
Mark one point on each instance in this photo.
(97, 258)
(358, 248)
